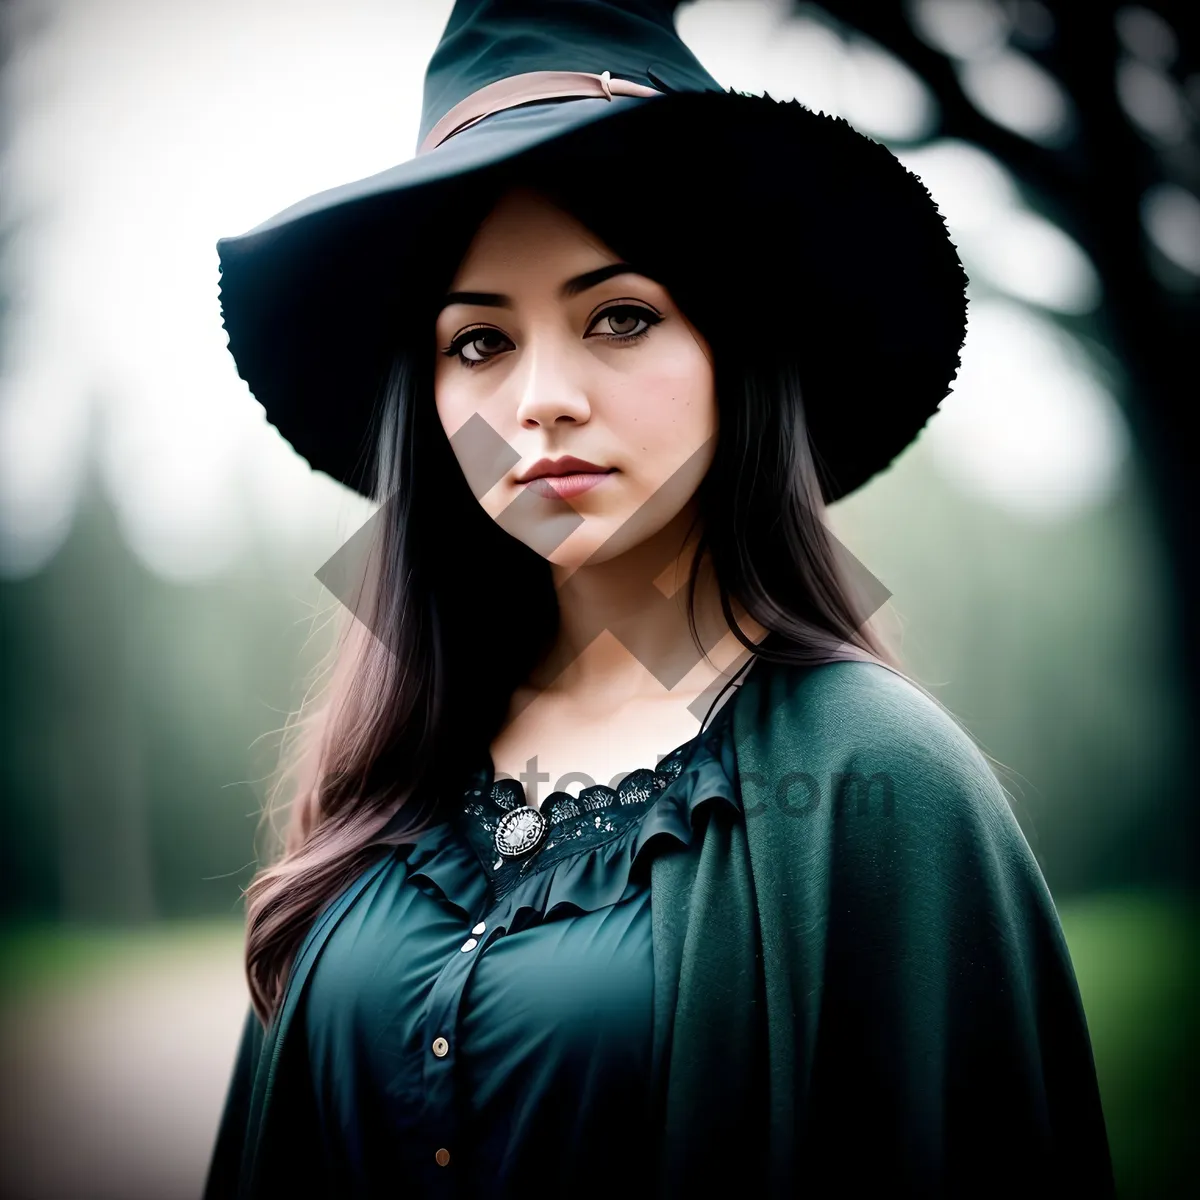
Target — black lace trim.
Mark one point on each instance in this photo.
(599, 814)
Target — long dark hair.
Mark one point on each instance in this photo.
(455, 613)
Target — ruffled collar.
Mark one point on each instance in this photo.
(513, 840)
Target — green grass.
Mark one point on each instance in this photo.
(47, 956)
(1135, 957)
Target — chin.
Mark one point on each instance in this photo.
(574, 553)
(585, 547)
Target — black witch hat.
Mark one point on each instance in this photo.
(313, 297)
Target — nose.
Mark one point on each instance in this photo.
(550, 387)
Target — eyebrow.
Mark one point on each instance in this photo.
(573, 287)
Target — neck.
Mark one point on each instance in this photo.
(624, 633)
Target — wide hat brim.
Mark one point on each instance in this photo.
(856, 258)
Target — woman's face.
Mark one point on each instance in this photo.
(544, 351)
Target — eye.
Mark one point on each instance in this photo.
(475, 346)
(623, 322)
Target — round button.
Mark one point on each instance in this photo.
(441, 1047)
(469, 944)
(442, 1157)
(480, 927)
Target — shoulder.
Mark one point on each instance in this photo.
(856, 785)
(856, 709)
(853, 725)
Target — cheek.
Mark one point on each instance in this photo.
(474, 451)
(449, 401)
(668, 404)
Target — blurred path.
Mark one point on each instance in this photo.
(111, 1086)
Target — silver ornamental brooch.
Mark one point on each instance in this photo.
(519, 831)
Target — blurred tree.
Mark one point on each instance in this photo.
(1121, 176)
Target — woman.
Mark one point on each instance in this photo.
(799, 945)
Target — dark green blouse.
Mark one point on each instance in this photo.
(482, 1026)
(860, 986)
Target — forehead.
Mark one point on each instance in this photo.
(527, 238)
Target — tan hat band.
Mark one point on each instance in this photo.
(529, 88)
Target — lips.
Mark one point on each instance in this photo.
(564, 487)
(567, 465)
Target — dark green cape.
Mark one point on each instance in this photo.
(863, 983)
